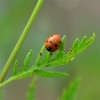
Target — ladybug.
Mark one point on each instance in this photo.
(53, 43)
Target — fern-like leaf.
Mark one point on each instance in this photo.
(83, 42)
(15, 69)
(47, 57)
(50, 60)
(78, 47)
(44, 73)
(59, 62)
(75, 45)
(71, 92)
(27, 60)
(31, 93)
(38, 60)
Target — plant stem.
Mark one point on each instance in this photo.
(21, 40)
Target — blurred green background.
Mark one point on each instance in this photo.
(73, 18)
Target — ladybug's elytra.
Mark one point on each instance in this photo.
(53, 43)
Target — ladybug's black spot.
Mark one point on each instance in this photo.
(51, 42)
(55, 45)
(60, 42)
(49, 49)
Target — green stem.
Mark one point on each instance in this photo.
(21, 40)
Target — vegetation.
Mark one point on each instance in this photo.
(45, 60)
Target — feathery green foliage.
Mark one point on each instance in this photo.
(15, 69)
(27, 60)
(49, 60)
(44, 73)
(79, 46)
(71, 92)
(31, 93)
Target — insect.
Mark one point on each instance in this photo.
(53, 43)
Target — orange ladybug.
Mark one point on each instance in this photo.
(53, 43)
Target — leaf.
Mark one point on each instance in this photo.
(15, 69)
(81, 46)
(59, 62)
(60, 59)
(25, 74)
(75, 45)
(89, 42)
(71, 92)
(27, 60)
(47, 57)
(50, 74)
(83, 42)
(38, 60)
(31, 93)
